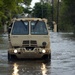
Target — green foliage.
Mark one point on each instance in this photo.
(42, 11)
(27, 2)
(9, 8)
(27, 10)
(67, 15)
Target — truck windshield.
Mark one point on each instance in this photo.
(38, 28)
(20, 28)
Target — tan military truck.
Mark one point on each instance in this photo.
(29, 38)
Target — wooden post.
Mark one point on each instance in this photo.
(5, 28)
(55, 26)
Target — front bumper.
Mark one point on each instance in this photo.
(24, 53)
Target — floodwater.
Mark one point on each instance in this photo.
(62, 58)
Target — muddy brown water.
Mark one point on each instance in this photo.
(62, 60)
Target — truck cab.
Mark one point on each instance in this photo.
(29, 38)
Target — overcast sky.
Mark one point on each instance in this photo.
(33, 2)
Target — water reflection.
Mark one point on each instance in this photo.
(43, 69)
(15, 69)
(29, 68)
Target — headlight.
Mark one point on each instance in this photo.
(43, 51)
(15, 51)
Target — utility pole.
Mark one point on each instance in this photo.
(52, 4)
(58, 14)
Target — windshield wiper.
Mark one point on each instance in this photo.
(24, 24)
(36, 24)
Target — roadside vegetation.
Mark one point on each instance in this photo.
(67, 16)
(66, 21)
(65, 13)
(10, 8)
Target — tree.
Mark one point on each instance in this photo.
(8, 8)
(67, 17)
(42, 11)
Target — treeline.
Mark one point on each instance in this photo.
(9, 8)
(67, 15)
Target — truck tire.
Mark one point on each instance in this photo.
(9, 56)
(47, 57)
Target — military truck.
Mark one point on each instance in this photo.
(29, 38)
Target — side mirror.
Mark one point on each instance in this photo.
(9, 30)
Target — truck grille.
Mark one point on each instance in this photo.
(27, 43)
(33, 42)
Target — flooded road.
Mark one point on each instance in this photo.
(62, 60)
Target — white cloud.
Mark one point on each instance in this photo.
(33, 3)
